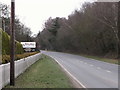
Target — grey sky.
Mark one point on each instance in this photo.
(33, 13)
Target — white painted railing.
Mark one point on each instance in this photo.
(20, 66)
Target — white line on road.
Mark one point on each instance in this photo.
(98, 68)
(91, 65)
(81, 61)
(108, 71)
(69, 73)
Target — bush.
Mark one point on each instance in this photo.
(6, 44)
(19, 48)
(0, 46)
(0, 42)
(6, 58)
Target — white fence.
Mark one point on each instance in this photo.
(20, 66)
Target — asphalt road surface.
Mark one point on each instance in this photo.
(89, 72)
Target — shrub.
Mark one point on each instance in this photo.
(6, 44)
(0, 46)
(19, 48)
(6, 58)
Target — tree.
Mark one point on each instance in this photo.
(90, 30)
(22, 32)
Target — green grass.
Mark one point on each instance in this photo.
(45, 73)
(108, 60)
(113, 61)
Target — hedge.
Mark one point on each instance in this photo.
(6, 44)
(0, 46)
(19, 48)
(6, 58)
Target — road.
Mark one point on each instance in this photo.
(90, 73)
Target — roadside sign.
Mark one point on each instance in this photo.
(28, 44)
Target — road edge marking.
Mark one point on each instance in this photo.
(69, 73)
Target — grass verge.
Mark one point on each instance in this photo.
(113, 61)
(45, 73)
(108, 60)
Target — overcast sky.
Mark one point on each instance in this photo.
(33, 13)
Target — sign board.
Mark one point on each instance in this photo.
(28, 44)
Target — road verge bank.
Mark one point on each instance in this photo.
(76, 83)
(45, 73)
(20, 66)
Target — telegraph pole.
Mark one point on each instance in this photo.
(12, 44)
(118, 24)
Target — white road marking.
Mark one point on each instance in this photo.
(108, 71)
(69, 73)
(91, 65)
(98, 68)
(81, 61)
(85, 63)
